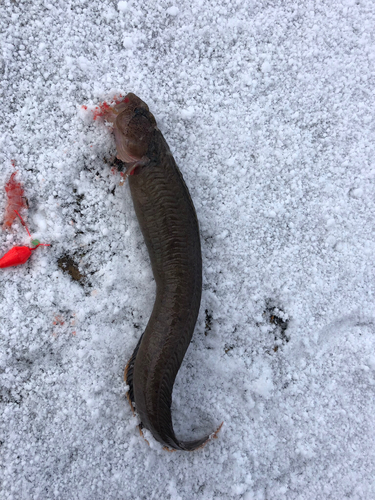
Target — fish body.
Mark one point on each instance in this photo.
(169, 224)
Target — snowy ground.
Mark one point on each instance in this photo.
(268, 107)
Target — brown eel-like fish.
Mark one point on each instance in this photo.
(169, 225)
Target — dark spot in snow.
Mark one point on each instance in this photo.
(208, 322)
(228, 348)
(280, 320)
(68, 265)
(120, 165)
(8, 396)
(79, 198)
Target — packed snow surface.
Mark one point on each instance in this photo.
(268, 107)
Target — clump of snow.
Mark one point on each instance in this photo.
(128, 42)
(266, 67)
(173, 11)
(187, 113)
(122, 6)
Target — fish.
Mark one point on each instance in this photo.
(170, 228)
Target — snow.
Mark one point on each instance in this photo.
(268, 108)
(173, 11)
(122, 6)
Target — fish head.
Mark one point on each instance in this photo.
(133, 126)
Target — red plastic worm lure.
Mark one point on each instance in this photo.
(19, 255)
(16, 200)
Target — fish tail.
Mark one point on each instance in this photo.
(195, 444)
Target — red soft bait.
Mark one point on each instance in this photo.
(19, 255)
(16, 200)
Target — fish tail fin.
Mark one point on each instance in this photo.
(195, 444)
